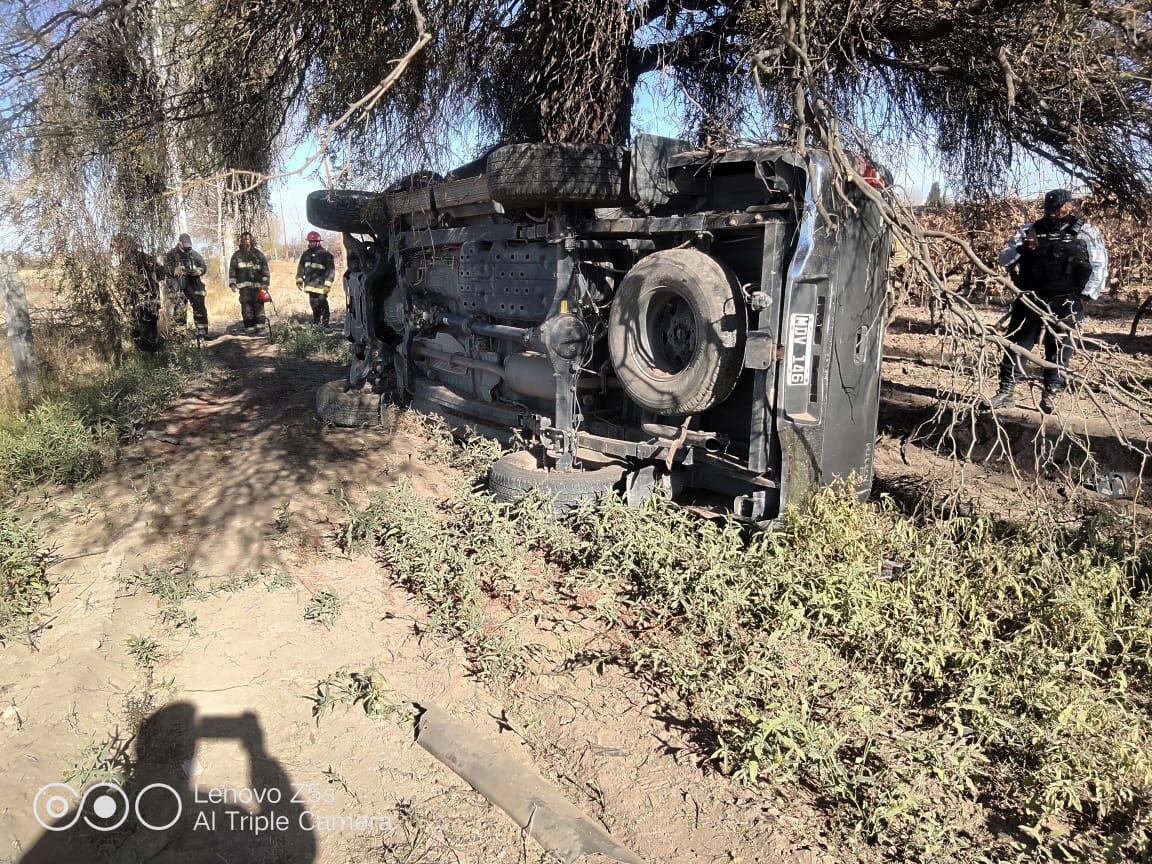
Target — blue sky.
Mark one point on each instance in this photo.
(658, 110)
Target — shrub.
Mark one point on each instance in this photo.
(24, 583)
(306, 341)
(69, 434)
(923, 680)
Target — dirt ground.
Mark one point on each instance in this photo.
(238, 484)
(242, 480)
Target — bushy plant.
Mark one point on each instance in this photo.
(308, 341)
(71, 432)
(923, 680)
(24, 583)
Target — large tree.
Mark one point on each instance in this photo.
(1066, 79)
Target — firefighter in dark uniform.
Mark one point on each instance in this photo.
(248, 274)
(142, 275)
(315, 275)
(184, 266)
(1060, 264)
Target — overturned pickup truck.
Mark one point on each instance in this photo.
(706, 323)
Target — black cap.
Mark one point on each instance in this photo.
(1056, 199)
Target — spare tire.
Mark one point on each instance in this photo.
(514, 475)
(529, 175)
(676, 332)
(339, 406)
(348, 211)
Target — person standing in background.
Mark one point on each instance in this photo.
(315, 274)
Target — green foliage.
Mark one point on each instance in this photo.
(145, 650)
(368, 689)
(24, 583)
(307, 341)
(137, 390)
(172, 585)
(922, 680)
(69, 435)
(450, 556)
(106, 761)
(468, 452)
(49, 444)
(324, 606)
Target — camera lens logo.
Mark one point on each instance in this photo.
(103, 806)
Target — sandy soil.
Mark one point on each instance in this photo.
(246, 447)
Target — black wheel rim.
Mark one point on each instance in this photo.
(672, 331)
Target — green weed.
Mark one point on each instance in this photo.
(451, 556)
(144, 650)
(465, 451)
(173, 586)
(101, 762)
(179, 618)
(69, 435)
(307, 341)
(274, 581)
(235, 584)
(368, 689)
(334, 779)
(324, 606)
(24, 584)
(283, 518)
(170, 584)
(922, 680)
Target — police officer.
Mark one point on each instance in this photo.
(1060, 264)
(315, 274)
(184, 266)
(248, 274)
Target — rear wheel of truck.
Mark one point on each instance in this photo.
(528, 175)
(348, 211)
(339, 406)
(515, 475)
(676, 332)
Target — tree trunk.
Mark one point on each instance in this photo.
(19, 330)
(220, 233)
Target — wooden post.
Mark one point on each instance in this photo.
(19, 329)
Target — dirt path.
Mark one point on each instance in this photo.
(188, 571)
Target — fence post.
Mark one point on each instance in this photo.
(19, 329)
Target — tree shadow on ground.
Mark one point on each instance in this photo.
(239, 459)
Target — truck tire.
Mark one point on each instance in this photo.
(530, 175)
(514, 475)
(348, 211)
(676, 332)
(339, 406)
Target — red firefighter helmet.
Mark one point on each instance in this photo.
(263, 296)
(313, 237)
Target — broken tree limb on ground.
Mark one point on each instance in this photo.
(535, 805)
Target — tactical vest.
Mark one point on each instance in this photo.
(1059, 264)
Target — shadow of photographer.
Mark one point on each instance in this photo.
(159, 817)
